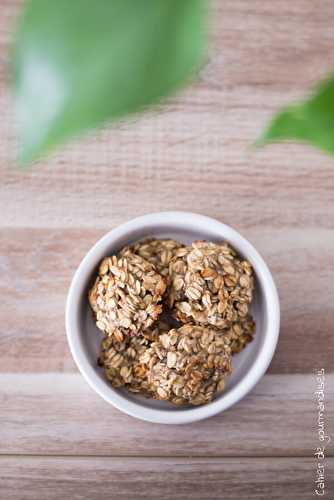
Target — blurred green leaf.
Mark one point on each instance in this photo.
(311, 121)
(80, 63)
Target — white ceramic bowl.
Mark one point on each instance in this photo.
(248, 366)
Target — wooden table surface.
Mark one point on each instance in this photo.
(58, 439)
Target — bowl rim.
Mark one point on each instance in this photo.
(177, 220)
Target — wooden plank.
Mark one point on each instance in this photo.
(54, 414)
(178, 479)
(37, 265)
(195, 152)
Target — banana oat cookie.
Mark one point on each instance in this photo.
(188, 365)
(157, 252)
(210, 285)
(240, 334)
(127, 294)
(120, 358)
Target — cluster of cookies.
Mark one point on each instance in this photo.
(173, 316)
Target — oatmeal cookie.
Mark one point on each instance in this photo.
(187, 365)
(127, 294)
(210, 285)
(157, 252)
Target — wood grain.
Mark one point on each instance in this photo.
(166, 479)
(59, 414)
(193, 153)
(37, 266)
(196, 151)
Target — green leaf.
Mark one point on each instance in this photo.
(81, 63)
(311, 121)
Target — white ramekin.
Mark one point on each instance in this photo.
(248, 366)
